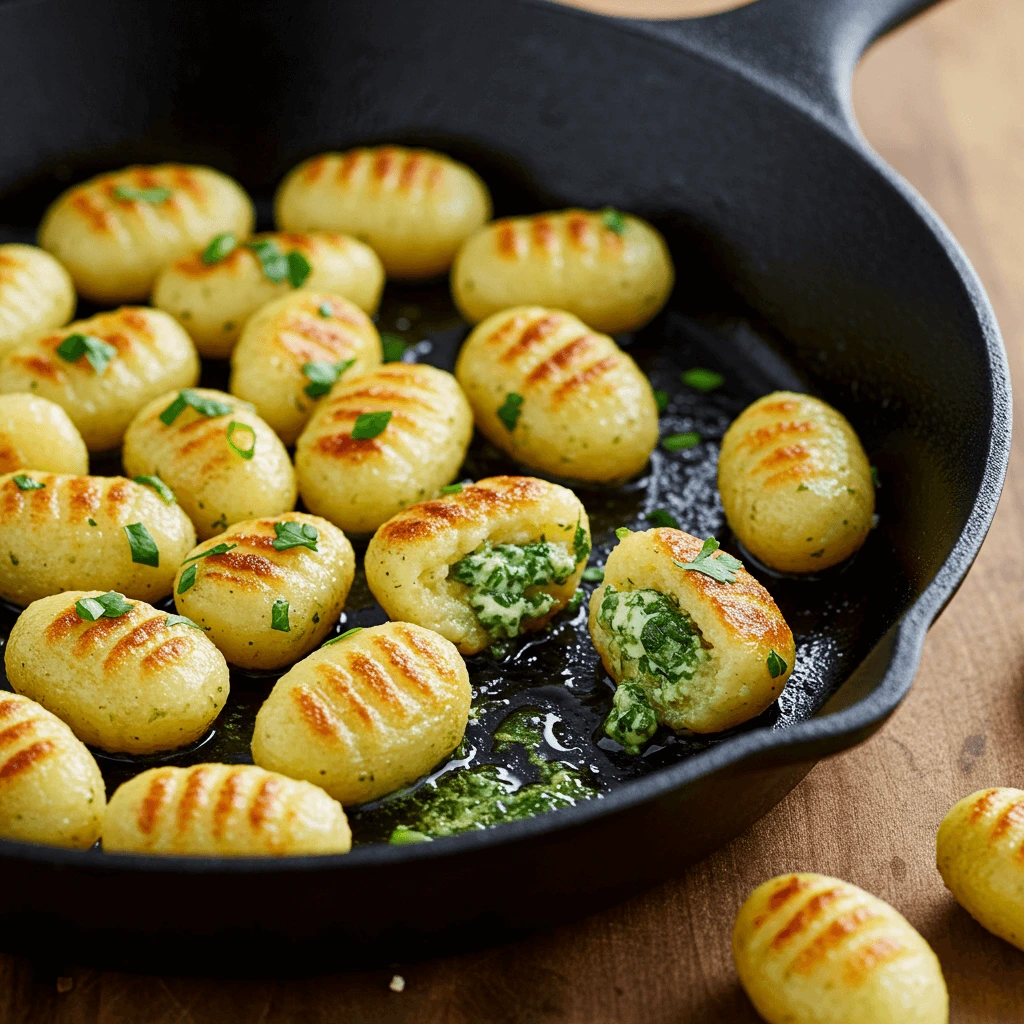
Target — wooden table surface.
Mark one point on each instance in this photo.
(942, 101)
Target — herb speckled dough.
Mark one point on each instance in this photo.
(36, 433)
(36, 294)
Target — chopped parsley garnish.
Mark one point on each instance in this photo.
(702, 380)
(299, 268)
(326, 310)
(776, 666)
(188, 577)
(277, 266)
(110, 605)
(159, 486)
(874, 477)
(622, 532)
(580, 543)
(279, 616)
(370, 424)
(677, 442)
(510, 410)
(393, 346)
(451, 489)
(632, 721)
(144, 549)
(593, 574)
(98, 352)
(220, 247)
(344, 636)
(659, 517)
(142, 195)
(294, 535)
(187, 398)
(613, 220)
(722, 569)
(181, 620)
(248, 451)
(323, 375)
(26, 483)
(661, 400)
(403, 836)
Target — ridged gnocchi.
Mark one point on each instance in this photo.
(36, 433)
(691, 629)
(98, 532)
(51, 790)
(367, 714)
(124, 676)
(795, 483)
(612, 270)
(36, 295)
(496, 559)
(294, 349)
(213, 297)
(103, 370)
(117, 231)
(381, 442)
(814, 950)
(557, 396)
(267, 591)
(414, 206)
(221, 460)
(223, 810)
(979, 857)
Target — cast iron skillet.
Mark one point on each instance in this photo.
(802, 259)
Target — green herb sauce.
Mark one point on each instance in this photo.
(632, 721)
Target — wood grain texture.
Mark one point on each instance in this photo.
(942, 101)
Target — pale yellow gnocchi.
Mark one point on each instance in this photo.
(366, 714)
(381, 442)
(292, 352)
(557, 396)
(36, 295)
(610, 269)
(815, 950)
(51, 790)
(483, 565)
(223, 462)
(979, 857)
(97, 532)
(223, 810)
(103, 370)
(124, 676)
(117, 231)
(267, 591)
(414, 206)
(212, 293)
(36, 433)
(795, 483)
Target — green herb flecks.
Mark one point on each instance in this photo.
(393, 346)
(370, 424)
(144, 549)
(451, 489)
(188, 577)
(323, 375)
(510, 410)
(26, 483)
(246, 451)
(220, 247)
(776, 665)
(875, 478)
(723, 568)
(279, 616)
(326, 310)
(632, 721)
(343, 636)
(661, 517)
(613, 220)
(299, 268)
(166, 494)
(294, 535)
(157, 194)
(702, 380)
(580, 543)
(110, 605)
(593, 574)
(188, 398)
(678, 442)
(622, 532)
(277, 266)
(661, 400)
(403, 836)
(98, 352)
(181, 620)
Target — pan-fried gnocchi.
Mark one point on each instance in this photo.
(212, 293)
(815, 950)
(366, 714)
(51, 790)
(36, 433)
(557, 396)
(381, 442)
(691, 639)
(483, 565)
(269, 590)
(610, 269)
(414, 206)
(221, 460)
(36, 295)
(795, 483)
(979, 857)
(223, 810)
(117, 231)
(294, 349)
(101, 532)
(125, 676)
(103, 370)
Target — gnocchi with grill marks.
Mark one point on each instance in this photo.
(414, 206)
(557, 396)
(223, 810)
(368, 714)
(36, 295)
(36, 433)
(124, 676)
(51, 790)
(117, 231)
(357, 478)
(611, 270)
(104, 532)
(213, 297)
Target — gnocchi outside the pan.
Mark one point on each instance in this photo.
(117, 231)
(124, 676)
(213, 292)
(36, 433)
(36, 295)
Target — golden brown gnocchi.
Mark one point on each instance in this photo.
(125, 676)
(101, 371)
(414, 206)
(557, 396)
(212, 293)
(223, 810)
(51, 790)
(815, 950)
(367, 713)
(381, 442)
(292, 352)
(117, 231)
(36, 433)
(221, 460)
(795, 483)
(610, 269)
(101, 532)
(496, 559)
(36, 295)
